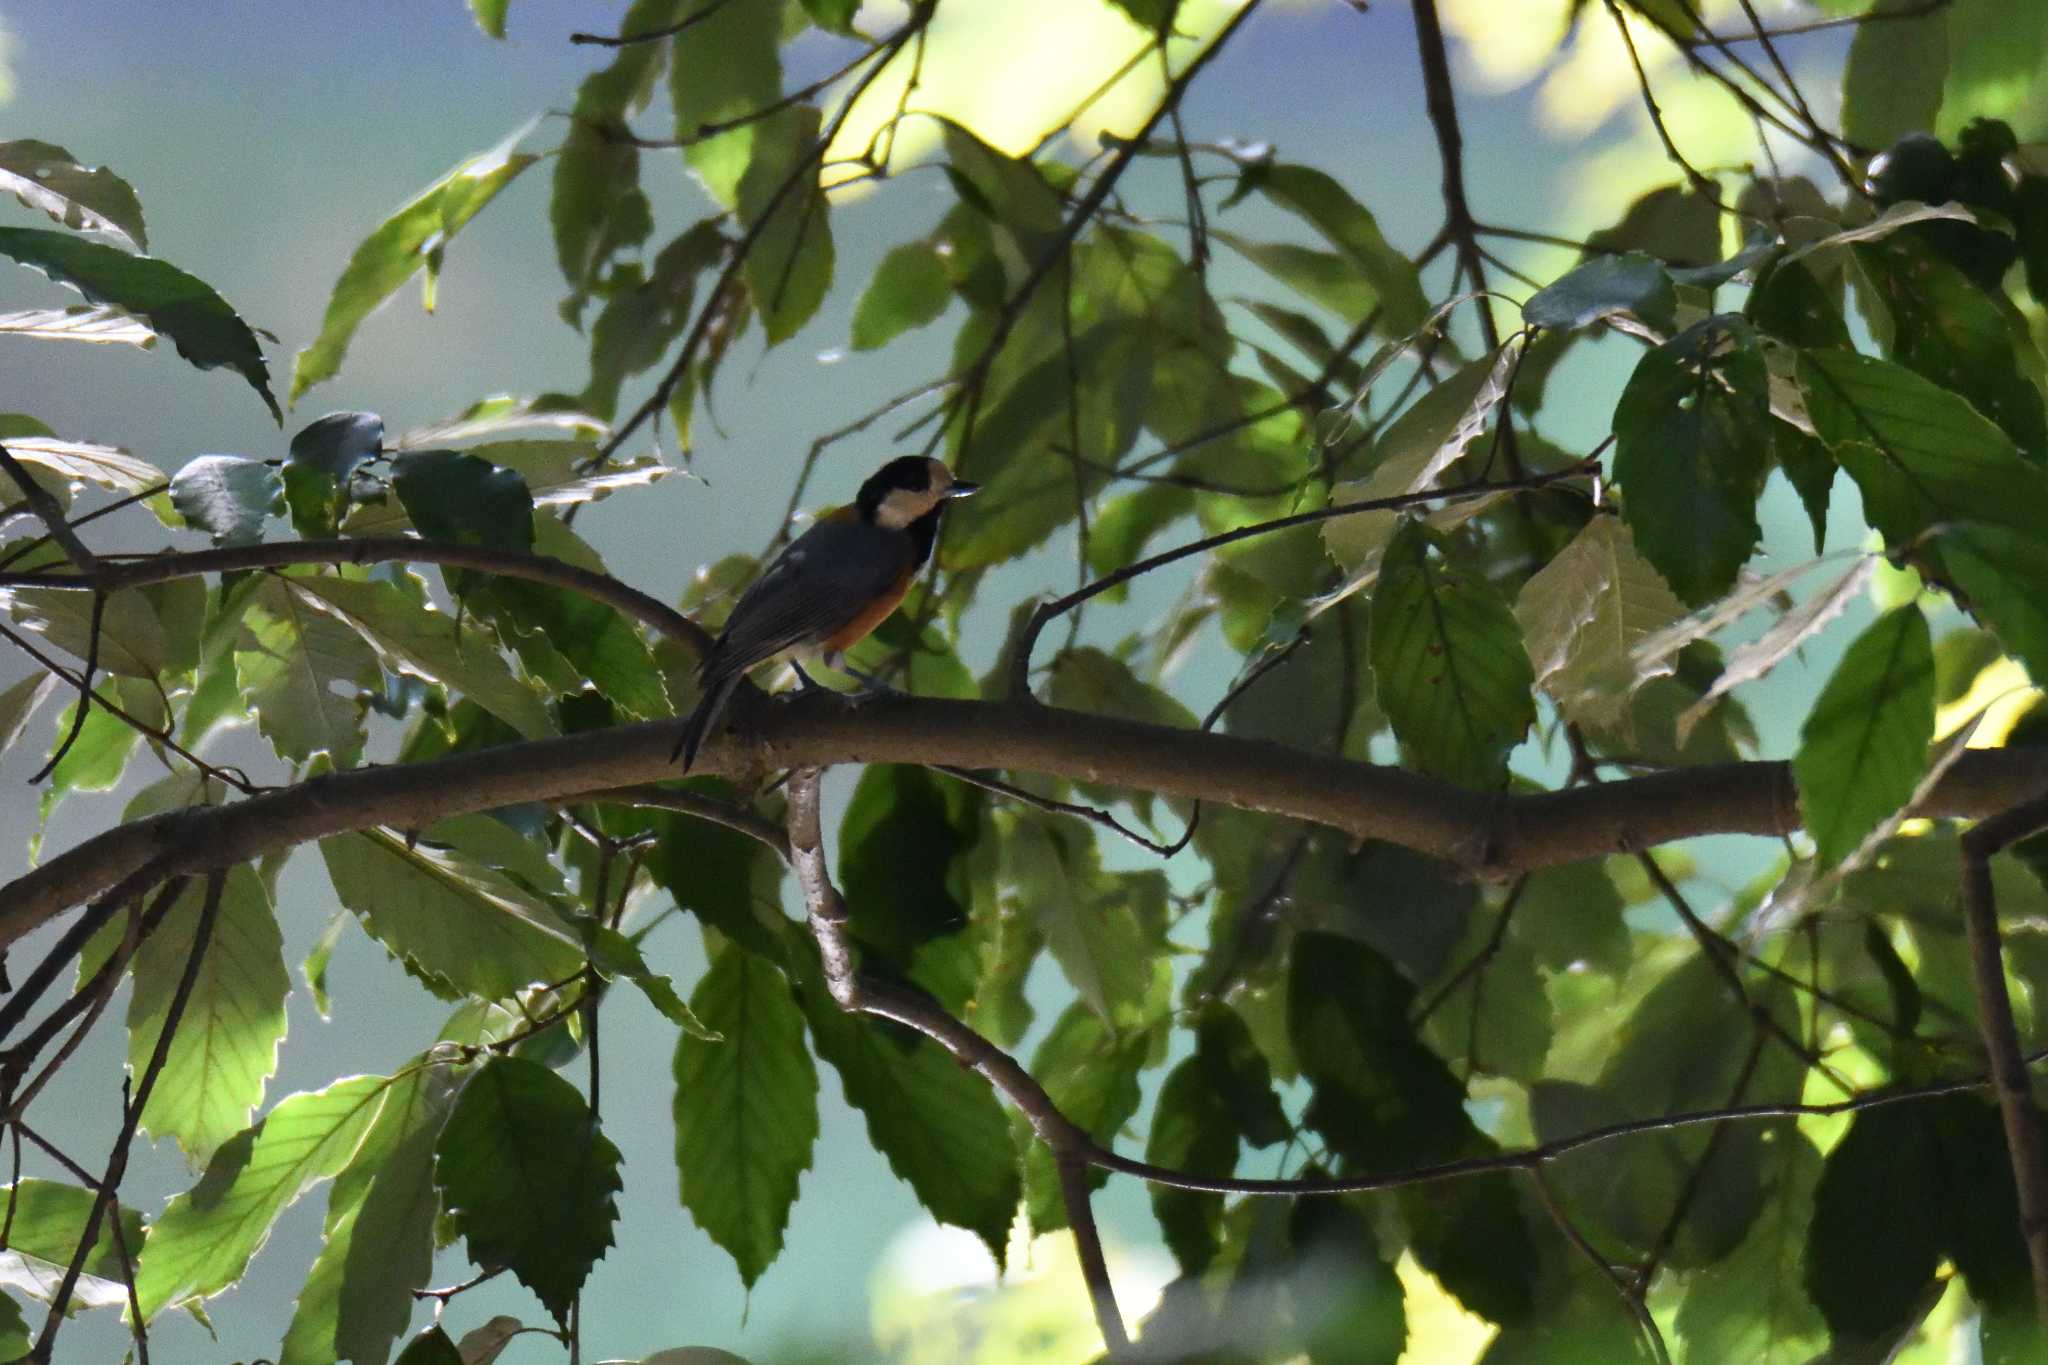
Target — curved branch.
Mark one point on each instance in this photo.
(1491, 834)
(134, 573)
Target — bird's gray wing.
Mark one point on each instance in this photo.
(814, 587)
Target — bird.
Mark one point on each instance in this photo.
(829, 587)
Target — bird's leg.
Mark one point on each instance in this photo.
(804, 681)
(871, 686)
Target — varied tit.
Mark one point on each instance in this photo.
(830, 587)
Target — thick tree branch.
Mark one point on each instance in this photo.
(2023, 1139)
(1491, 834)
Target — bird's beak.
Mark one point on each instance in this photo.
(963, 490)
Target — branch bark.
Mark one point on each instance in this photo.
(1490, 834)
(2023, 1138)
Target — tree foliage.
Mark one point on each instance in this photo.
(1373, 953)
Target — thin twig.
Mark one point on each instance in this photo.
(47, 511)
(652, 35)
(1020, 663)
(117, 1163)
(83, 707)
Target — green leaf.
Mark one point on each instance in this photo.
(834, 16)
(81, 462)
(1945, 328)
(1789, 304)
(569, 641)
(640, 321)
(45, 176)
(304, 674)
(1691, 450)
(319, 471)
(1194, 1129)
(1864, 747)
(451, 495)
(1238, 1072)
(1572, 914)
(134, 641)
(1583, 615)
(1107, 940)
(1752, 1306)
(1447, 656)
(903, 847)
(1928, 465)
(432, 645)
(203, 1240)
(1904, 1188)
(1892, 83)
(1496, 1018)
(910, 288)
(1009, 192)
(1322, 277)
(45, 1222)
(413, 237)
(1087, 679)
(379, 1232)
(1600, 288)
(1384, 1101)
(595, 205)
(935, 1121)
(1995, 52)
(431, 1347)
(789, 269)
(1347, 1294)
(1347, 225)
(528, 1178)
(1810, 469)
(226, 1045)
(617, 955)
(1091, 1074)
(489, 16)
(19, 703)
(1381, 1098)
(468, 928)
(746, 1110)
(725, 67)
(228, 497)
(724, 878)
(207, 332)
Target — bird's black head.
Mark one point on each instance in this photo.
(907, 488)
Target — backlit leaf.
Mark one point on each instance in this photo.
(1864, 747)
(1584, 615)
(45, 176)
(409, 239)
(226, 1044)
(746, 1109)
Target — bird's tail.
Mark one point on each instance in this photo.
(718, 691)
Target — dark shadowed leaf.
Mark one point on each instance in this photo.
(431, 1347)
(1691, 451)
(528, 1178)
(1447, 656)
(409, 239)
(320, 468)
(746, 1109)
(199, 322)
(834, 16)
(1864, 747)
(1892, 83)
(903, 847)
(1606, 285)
(1194, 1129)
